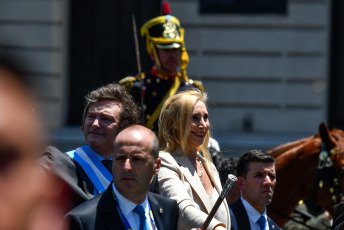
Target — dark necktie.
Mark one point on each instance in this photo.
(261, 222)
(108, 165)
(144, 225)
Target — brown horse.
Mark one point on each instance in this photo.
(301, 168)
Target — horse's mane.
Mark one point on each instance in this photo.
(290, 146)
(295, 150)
(307, 146)
(338, 136)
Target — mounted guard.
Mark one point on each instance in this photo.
(166, 47)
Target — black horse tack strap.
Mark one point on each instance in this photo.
(327, 172)
(304, 214)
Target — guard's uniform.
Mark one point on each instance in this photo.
(163, 32)
(156, 88)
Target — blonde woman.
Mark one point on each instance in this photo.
(187, 174)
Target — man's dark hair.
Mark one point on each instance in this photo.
(227, 166)
(252, 156)
(130, 113)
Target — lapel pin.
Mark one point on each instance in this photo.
(273, 226)
(161, 210)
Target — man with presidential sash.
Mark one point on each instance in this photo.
(126, 203)
(87, 170)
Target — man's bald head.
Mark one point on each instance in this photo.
(138, 132)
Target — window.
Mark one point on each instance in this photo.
(244, 6)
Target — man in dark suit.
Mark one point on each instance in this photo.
(135, 162)
(87, 170)
(256, 179)
(338, 220)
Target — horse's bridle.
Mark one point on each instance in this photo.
(327, 172)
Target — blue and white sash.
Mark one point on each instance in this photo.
(95, 170)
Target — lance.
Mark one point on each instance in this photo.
(138, 64)
(228, 185)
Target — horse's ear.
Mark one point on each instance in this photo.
(326, 136)
(323, 128)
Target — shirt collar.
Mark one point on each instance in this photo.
(126, 205)
(252, 213)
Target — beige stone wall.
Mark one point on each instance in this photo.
(269, 69)
(272, 69)
(34, 31)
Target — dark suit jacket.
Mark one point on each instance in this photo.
(338, 220)
(100, 213)
(68, 171)
(239, 217)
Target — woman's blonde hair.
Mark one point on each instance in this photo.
(175, 119)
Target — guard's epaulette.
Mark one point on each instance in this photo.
(199, 85)
(128, 82)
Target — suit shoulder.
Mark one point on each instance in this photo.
(161, 198)
(273, 224)
(168, 160)
(235, 204)
(52, 157)
(83, 216)
(166, 156)
(165, 202)
(87, 207)
(128, 81)
(237, 209)
(52, 151)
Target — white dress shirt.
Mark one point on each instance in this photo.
(127, 208)
(254, 215)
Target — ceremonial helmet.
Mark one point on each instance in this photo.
(165, 32)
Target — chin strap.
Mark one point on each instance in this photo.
(183, 64)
